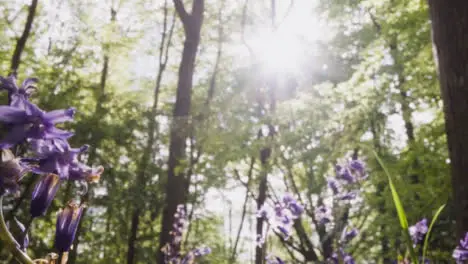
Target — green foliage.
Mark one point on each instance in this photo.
(380, 81)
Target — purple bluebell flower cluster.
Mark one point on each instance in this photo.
(343, 256)
(348, 235)
(460, 254)
(323, 214)
(347, 174)
(172, 250)
(418, 231)
(52, 157)
(281, 217)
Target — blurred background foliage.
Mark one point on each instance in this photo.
(351, 75)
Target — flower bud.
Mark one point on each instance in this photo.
(67, 224)
(43, 194)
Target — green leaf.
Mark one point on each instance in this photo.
(426, 240)
(399, 208)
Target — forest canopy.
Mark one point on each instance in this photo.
(222, 131)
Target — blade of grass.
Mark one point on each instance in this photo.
(426, 240)
(399, 208)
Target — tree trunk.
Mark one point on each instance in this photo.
(176, 179)
(449, 27)
(21, 42)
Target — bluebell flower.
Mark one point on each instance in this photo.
(260, 240)
(334, 259)
(352, 171)
(195, 253)
(67, 224)
(18, 95)
(348, 196)
(345, 257)
(323, 214)
(180, 219)
(281, 217)
(56, 156)
(293, 205)
(43, 194)
(11, 172)
(357, 166)
(274, 260)
(333, 185)
(265, 212)
(349, 235)
(460, 254)
(348, 259)
(31, 122)
(418, 231)
(172, 250)
(344, 173)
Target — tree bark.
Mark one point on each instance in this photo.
(176, 178)
(449, 27)
(21, 42)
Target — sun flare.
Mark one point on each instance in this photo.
(286, 46)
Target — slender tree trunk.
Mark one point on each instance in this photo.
(152, 127)
(265, 153)
(176, 179)
(21, 42)
(449, 28)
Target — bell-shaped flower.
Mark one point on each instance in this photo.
(358, 167)
(293, 205)
(274, 260)
(323, 214)
(18, 95)
(56, 156)
(460, 254)
(348, 235)
(33, 123)
(333, 185)
(195, 253)
(43, 194)
(82, 172)
(351, 195)
(67, 224)
(418, 231)
(344, 173)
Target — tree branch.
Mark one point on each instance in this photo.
(180, 8)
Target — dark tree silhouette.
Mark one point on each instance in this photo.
(21, 42)
(449, 27)
(176, 178)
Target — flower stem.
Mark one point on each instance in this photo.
(9, 241)
(64, 258)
